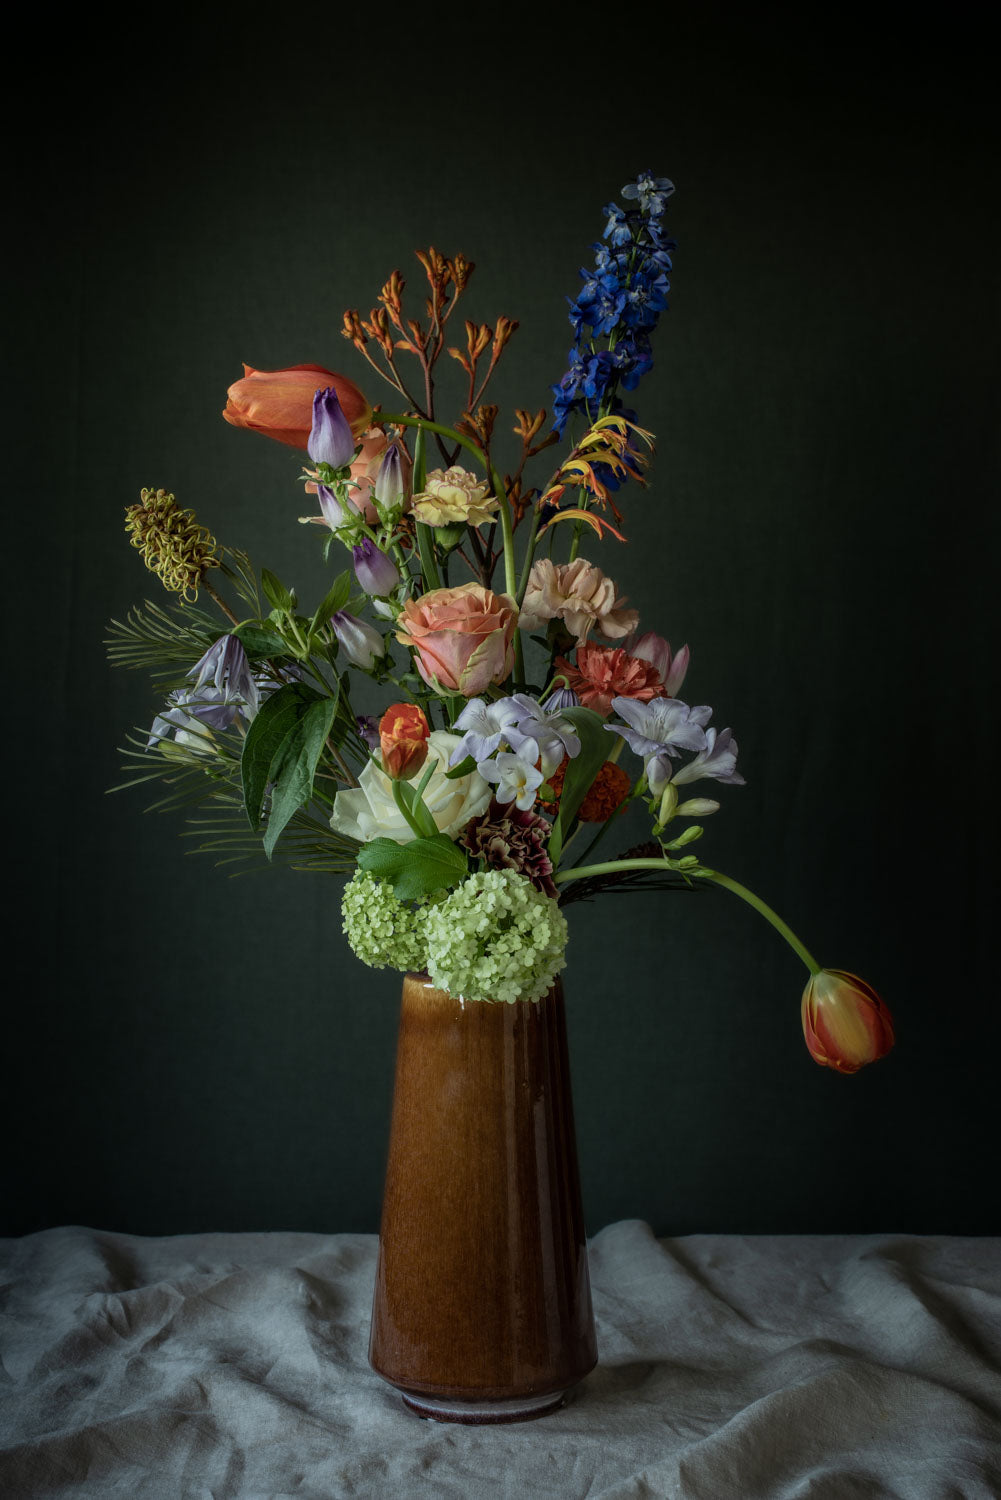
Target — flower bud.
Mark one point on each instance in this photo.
(361, 643)
(389, 480)
(845, 1023)
(654, 649)
(337, 509)
(403, 740)
(697, 807)
(330, 438)
(377, 573)
(279, 403)
(560, 698)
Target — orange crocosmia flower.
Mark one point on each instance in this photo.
(605, 672)
(403, 740)
(605, 795)
(279, 403)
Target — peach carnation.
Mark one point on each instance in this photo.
(606, 672)
(579, 594)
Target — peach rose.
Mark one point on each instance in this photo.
(279, 403)
(462, 638)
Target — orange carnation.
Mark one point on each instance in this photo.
(605, 795)
(606, 672)
(279, 403)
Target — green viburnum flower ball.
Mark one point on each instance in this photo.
(496, 938)
(383, 931)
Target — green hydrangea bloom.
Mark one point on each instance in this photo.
(383, 931)
(496, 938)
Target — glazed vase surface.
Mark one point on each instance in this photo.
(482, 1308)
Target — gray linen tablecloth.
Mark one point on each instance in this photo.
(731, 1368)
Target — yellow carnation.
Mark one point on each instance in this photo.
(452, 497)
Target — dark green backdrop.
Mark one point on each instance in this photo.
(191, 1052)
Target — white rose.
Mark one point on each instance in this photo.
(370, 811)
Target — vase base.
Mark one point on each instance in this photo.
(481, 1413)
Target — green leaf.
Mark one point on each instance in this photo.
(263, 748)
(257, 641)
(293, 773)
(462, 769)
(429, 566)
(418, 868)
(275, 591)
(336, 599)
(581, 771)
(410, 802)
(419, 475)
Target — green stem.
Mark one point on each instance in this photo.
(584, 872)
(507, 532)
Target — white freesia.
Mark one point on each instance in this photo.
(370, 811)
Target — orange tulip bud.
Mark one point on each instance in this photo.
(279, 403)
(845, 1023)
(403, 740)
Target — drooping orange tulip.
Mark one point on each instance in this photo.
(403, 740)
(279, 403)
(845, 1023)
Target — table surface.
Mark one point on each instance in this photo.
(730, 1368)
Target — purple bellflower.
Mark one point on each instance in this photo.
(361, 643)
(377, 573)
(330, 438)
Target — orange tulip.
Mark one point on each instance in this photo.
(403, 740)
(279, 403)
(845, 1023)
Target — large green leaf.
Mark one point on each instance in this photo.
(293, 773)
(277, 739)
(581, 771)
(258, 641)
(275, 591)
(335, 600)
(418, 868)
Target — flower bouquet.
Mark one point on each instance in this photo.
(524, 707)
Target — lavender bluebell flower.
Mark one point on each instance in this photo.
(361, 643)
(377, 573)
(330, 438)
(389, 486)
(338, 509)
(559, 698)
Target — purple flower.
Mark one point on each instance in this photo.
(368, 728)
(717, 761)
(361, 643)
(658, 731)
(225, 665)
(330, 438)
(561, 697)
(377, 573)
(337, 510)
(552, 737)
(485, 725)
(389, 486)
(516, 775)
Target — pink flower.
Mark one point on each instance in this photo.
(845, 1023)
(462, 638)
(606, 672)
(654, 649)
(579, 594)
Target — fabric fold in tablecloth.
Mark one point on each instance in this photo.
(730, 1368)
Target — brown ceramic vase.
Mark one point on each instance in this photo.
(482, 1309)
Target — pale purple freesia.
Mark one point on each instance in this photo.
(361, 643)
(389, 485)
(377, 573)
(716, 761)
(516, 775)
(658, 731)
(657, 651)
(331, 440)
(485, 725)
(554, 737)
